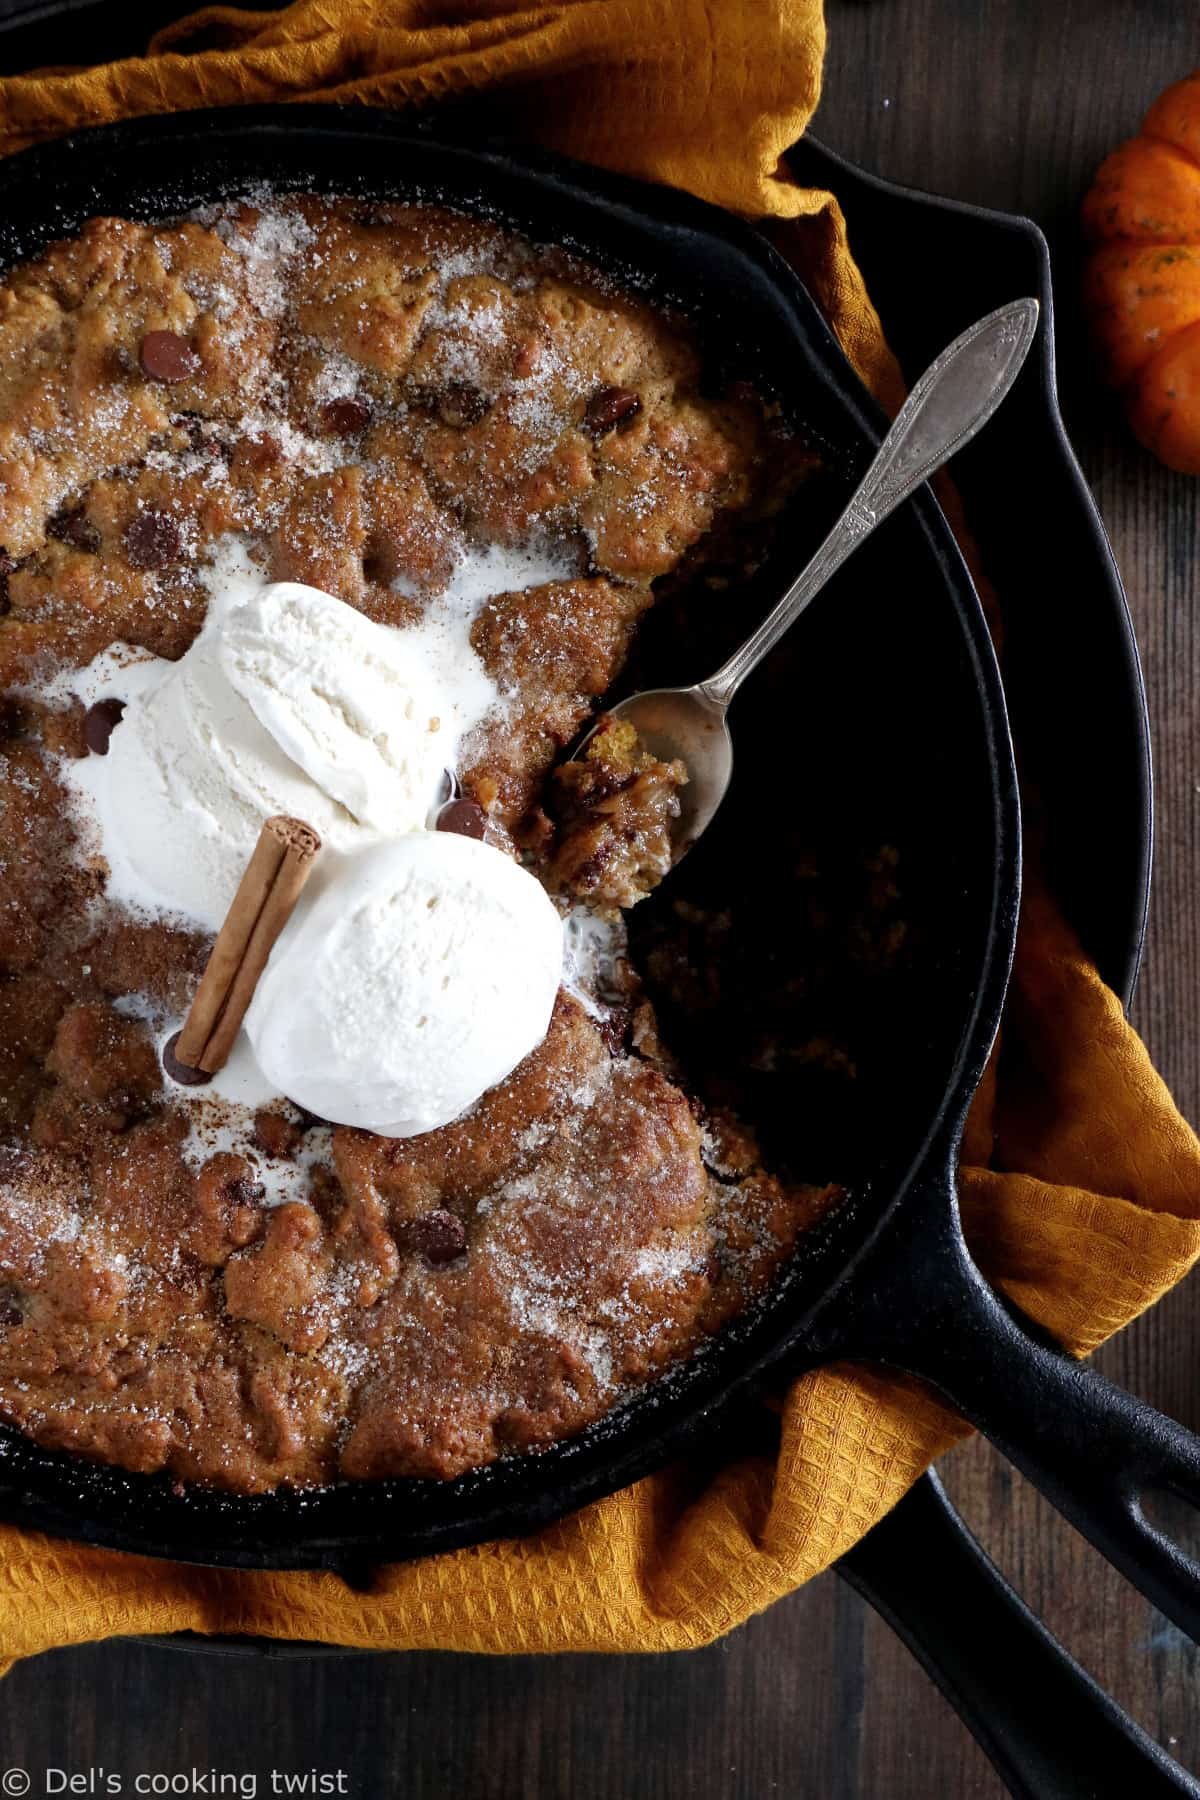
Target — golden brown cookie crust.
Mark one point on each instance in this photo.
(359, 393)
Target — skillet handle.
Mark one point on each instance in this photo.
(917, 1302)
(1051, 1732)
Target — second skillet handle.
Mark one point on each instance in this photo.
(1051, 1732)
(918, 1303)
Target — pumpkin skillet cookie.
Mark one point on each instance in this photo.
(347, 514)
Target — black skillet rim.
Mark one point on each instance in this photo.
(350, 1525)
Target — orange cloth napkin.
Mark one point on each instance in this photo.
(1081, 1182)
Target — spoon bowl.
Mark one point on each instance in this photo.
(689, 725)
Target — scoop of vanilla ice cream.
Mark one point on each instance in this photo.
(189, 777)
(289, 701)
(362, 708)
(401, 992)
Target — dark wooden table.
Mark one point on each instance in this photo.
(1011, 104)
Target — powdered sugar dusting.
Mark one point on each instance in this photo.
(396, 408)
(269, 247)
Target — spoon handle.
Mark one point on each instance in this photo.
(955, 397)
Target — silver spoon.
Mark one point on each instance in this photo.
(955, 397)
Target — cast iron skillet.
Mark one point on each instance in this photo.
(899, 699)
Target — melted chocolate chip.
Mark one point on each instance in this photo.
(195, 430)
(75, 528)
(14, 720)
(153, 540)
(381, 560)
(614, 1026)
(183, 1073)
(165, 356)
(98, 723)
(438, 1236)
(611, 407)
(460, 404)
(466, 817)
(243, 1191)
(346, 417)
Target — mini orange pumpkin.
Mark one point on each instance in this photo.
(1142, 285)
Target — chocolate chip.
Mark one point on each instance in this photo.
(11, 1310)
(165, 356)
(460, 404)
(438, 1236)
(610, 407)
(98, 723)
(346, 417)
(466, 817)
(183, 1073)
(153, 540)
(75, 528)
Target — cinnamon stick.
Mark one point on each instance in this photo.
(267, 893)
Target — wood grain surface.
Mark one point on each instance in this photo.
(1011, 104)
